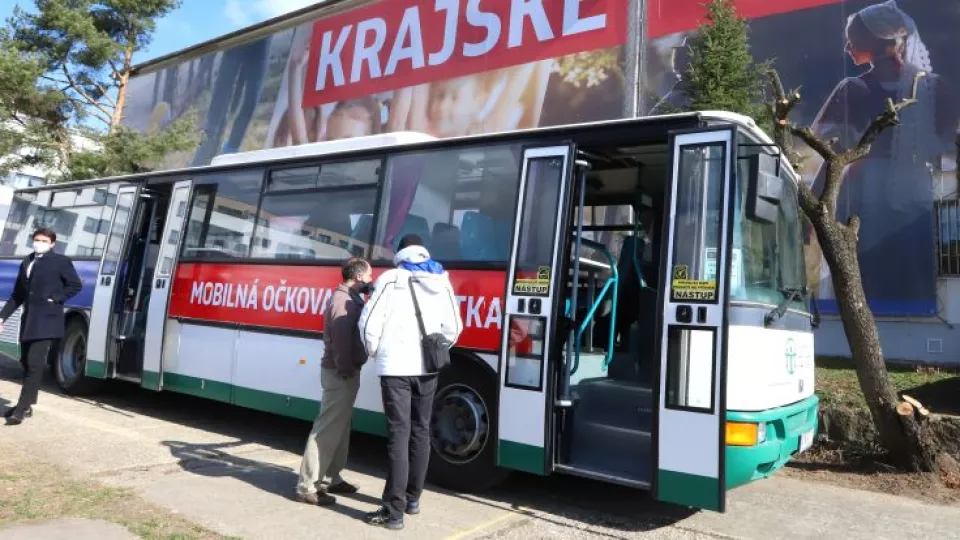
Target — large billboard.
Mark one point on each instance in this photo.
(442, 67)
(849, 57)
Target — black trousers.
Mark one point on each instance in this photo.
(408, 405)
(34, 356)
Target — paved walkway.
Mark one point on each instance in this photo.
(232, 471)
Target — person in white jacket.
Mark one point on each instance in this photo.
(391, 335)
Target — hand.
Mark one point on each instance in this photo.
(1, 326)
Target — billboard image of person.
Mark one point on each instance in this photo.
(866, 52)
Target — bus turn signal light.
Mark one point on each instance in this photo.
(745, 434)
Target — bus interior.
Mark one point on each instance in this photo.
(614, 266)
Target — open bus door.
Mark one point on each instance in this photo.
(160, 286)
(690, 423)
(534, 291)
(100, 345)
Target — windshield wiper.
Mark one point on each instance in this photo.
(790, 295)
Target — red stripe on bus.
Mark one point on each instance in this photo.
(666, 17)
(294, 298)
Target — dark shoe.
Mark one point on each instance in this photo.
(16, 417)
(319, 498)
(382, 518)
(342, 488)
(413, 508)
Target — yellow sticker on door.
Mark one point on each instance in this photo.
(684, 288)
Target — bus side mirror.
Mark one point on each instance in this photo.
(764, 187)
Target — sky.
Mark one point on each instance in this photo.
(197, 21)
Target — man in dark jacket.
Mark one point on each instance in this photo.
(343, 357)
(45, 282)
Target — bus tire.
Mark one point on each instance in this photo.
(464, 454)
(69, 365)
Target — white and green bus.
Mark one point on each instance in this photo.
(632, 292)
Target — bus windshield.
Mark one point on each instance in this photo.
(767, 257)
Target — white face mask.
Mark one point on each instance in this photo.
(41, 247)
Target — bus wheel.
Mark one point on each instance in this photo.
(72, 360)
(463, 429)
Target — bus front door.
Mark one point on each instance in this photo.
(690, 423)
(532, 301)
(100, 344)
(160, 286)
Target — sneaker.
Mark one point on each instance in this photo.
(413, 508)
(381, 518)
(319, 498)
(342, 488)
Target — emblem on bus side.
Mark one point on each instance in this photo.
(791, 357)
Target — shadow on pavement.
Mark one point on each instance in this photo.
(553, 499)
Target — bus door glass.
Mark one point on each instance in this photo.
(100, 344)
(160, 286)
(530, 310)
(691, 410)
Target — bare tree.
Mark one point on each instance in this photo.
(905, 436)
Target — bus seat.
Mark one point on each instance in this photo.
(476, 237)
(363, 228)
(502, 236)
(414, 224)
(445, 243)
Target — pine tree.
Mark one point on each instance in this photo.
(722, 74)
(71, 60)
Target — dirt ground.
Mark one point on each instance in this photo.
(861, 465)
(34, 490)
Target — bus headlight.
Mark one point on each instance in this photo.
(746, 433)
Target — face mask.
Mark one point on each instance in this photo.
(41, 247)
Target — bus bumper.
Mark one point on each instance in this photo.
(784, 428)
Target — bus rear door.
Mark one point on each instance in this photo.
(160, 285)
(100, 345)
(690, 423)
(532, 299)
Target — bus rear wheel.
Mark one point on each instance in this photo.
(464, 429)
(72, 361)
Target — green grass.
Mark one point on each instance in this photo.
(43, 491)
(837, 383)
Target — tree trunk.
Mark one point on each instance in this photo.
(122, 79)
(906, 439)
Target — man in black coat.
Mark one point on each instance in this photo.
(45, 282)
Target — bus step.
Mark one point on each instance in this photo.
(612, 451)
(616, 403)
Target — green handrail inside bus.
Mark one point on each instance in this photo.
(612, 286)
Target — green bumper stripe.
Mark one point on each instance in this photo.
(10, 349)
(770, 415)
(372, 422)
(150, 380)
(521, 457)
(94, 369)
(193, 386)
(688, 490)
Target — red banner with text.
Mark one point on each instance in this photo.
(295, 297)
(384, 47)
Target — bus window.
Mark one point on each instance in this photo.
(221, 221)
(462, 202)
(766, 257)
(320, 221)
(81, 218)
(698, 219)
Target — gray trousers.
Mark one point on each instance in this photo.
(329, 440)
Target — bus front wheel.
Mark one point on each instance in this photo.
(72, 361)
(464, 428)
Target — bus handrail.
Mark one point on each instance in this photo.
(614, 280)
